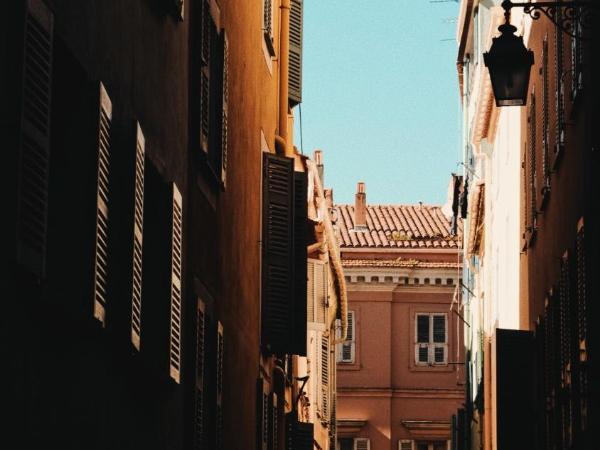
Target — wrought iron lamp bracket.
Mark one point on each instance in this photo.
(572, 17)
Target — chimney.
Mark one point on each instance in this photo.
(360, 207)
(318, 157)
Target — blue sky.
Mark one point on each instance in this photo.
(380, 97)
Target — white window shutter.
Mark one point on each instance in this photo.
(310, 291)
(176, 261)
(321, 281)
(405, 444)
(138, 234)
(102, 205)
(362, 444)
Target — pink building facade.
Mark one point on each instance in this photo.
(400, 371)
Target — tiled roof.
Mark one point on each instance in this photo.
(410, 263)
(398, 226)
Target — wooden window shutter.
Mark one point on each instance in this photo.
(348, 346)
(295, 73)
(576, 55)
(272, 425)
(262, 414)
(545, 119)
(102, 206)
(582, 326)
(299, 435)
(219, 378)
(559, 92)
(225, 116)
(310, 291)
(324, 378)
(362, 444)
(200, 365)
(177, 8)
(277, 251)
(205, 55)
(300, 263)
(34, 151)
(138, 234)
(176, 264)
(215, 101)
(532, 175)
(268, 25)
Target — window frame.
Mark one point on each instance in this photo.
(352, 342)
(431, 345)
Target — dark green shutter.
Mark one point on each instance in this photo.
(277, 253)
(300, 263)
(34, 141)
(295, 73)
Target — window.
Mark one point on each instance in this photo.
(362, 444)
(532, 167)
(405, 444)
(545, 120)
(431, 445)
(347, 349)
(268, 25)
(431, 339)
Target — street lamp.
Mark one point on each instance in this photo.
(509, 62)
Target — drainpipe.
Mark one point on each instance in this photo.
(282, 141)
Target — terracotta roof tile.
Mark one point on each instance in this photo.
(398, 226)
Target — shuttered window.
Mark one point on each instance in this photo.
(219, 377)
(324, 377)
(545, 120)
(576, 55)
(262, 415)
(362, 444)
(277, 247)
(268, 25)
(565, 350)
(405, 445)
(582, 326)
(138, 233)
(102, 205)
(272, 423)
(207, 34)
(300, 262)
(295, 72)
(559, 91)
(348, 350)
(225, 110)
(431, 339)
(317, 292)
(34, 151)
(200, 367)
(531, 161)
(176, 264)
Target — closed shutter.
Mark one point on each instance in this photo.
(268, 25)
(582, 330)
(176, 261)
(310, 291)
(200, 364)
(348, 346)
(177, 8)
(422, 339)
(102, 206)
(219, 378)
(362, 444)
(272, 423)
(324, 393)
(205, 53)
(317, 291)
(295, 73)
(440, 338)
(138, 233)
(565, 350)
(225, 117)
(559, 90)
(576, 54)
(34, 154)
(545, 119)
(277, 246)
(532, 172)
(299, 435)
(262, 415)
(215, 102)
(300, 263)
(405, 445)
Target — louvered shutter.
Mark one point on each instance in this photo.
(200, 364)
(277, 246)
(321, 291)
(545, 119)
(440, 337)
(300, 263)
(348, 346)
(34, 145)
(215, 102)
(176, 261)
(333, 421)
(225, 116)
(559, 91)
(177, 8)
(565, 350)
(422, 339)
(102, 206)
(262, 415)
(295, 72)
(310, 291)
(582, 323)
(324, 393)
(205, 54)
(362, 444)
(405, 444)
(219, 378)
(272, 422)
(138, 233)
(268, 25)
(532, 175)
(299, 435)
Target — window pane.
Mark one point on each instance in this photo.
(440, 445)
(422, 446)
(439, 329)
(439, 354)
(346, 444)
(422, 328)
(423, 354)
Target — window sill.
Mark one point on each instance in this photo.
(348, 366)
(431, 368)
